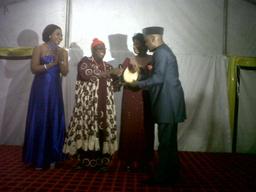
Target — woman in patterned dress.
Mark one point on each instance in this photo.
(92, 132)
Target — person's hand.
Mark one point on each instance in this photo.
(134, 84)
(131, 85)
(104, 74)
(120, 71)
(61, 54)
(116, 72)
(149, 67)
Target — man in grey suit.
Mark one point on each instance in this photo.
(167, 104)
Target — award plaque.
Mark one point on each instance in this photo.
(129, 76)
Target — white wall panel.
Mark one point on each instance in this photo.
(19, 15)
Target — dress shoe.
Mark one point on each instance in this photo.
(53, 165)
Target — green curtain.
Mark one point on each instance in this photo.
(16, 53)
(234, 62)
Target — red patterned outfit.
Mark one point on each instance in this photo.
(92, 132)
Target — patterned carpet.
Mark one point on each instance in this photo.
(200, 172)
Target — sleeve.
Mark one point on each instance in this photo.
(159, 68)
(85, 70)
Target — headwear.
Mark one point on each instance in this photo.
(96, 42)
(153, 30)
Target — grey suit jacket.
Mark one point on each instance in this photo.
(166, 92)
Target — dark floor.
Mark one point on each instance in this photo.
(200, 172)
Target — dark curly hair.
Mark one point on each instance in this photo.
(48, 30)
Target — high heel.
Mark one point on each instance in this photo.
(52, 165)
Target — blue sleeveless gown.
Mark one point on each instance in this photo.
(45, 125)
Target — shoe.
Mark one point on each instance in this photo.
(52, 165)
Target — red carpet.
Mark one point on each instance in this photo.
(200, 172)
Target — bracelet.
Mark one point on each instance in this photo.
(45, 67)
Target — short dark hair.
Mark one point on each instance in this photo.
(48, 30)
(139, 37)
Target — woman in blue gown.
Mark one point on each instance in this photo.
(45, 125)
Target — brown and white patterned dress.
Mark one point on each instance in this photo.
(92, 129)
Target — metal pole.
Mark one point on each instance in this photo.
(67, 23)
(225, 27)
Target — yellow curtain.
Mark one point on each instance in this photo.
(234, 62)
(16, 53)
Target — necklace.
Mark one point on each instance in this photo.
(98, 65)
(52, 50)
(52, 46)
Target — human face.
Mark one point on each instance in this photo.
(56, 37)
(99, 51)
(149, 41)
(137, 46)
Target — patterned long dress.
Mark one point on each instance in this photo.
(92, 131)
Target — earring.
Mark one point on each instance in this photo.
(50, 36)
